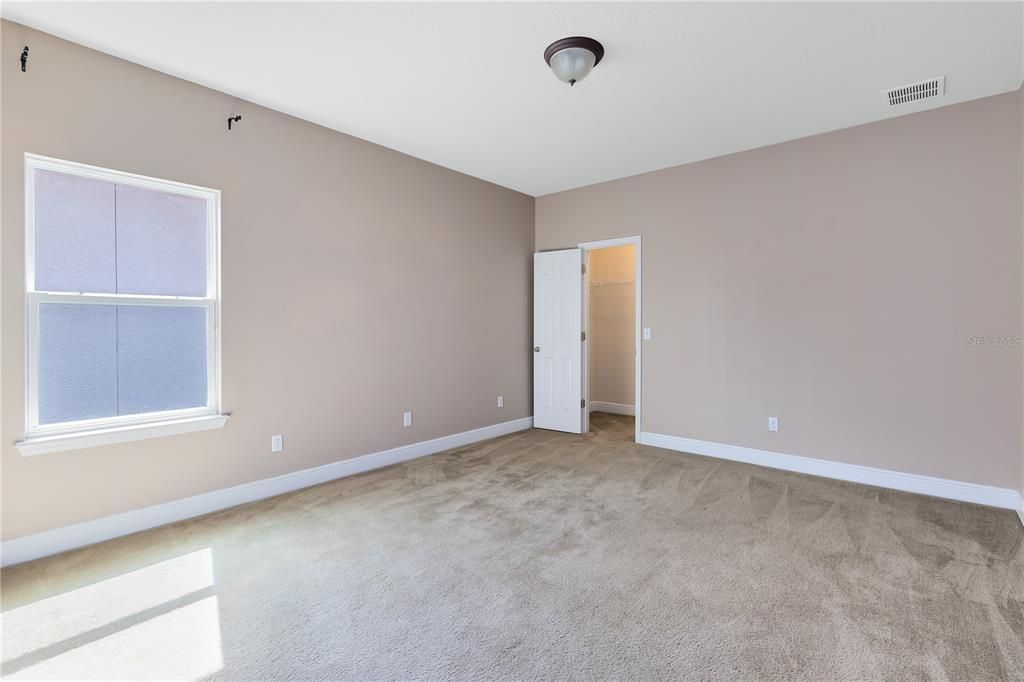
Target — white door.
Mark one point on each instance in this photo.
(558, 340)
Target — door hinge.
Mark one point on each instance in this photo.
(583, 336)
(583, 268)
(583, 402)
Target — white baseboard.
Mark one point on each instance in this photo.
(1020, 508)
(991, 496)
(90, 532)
(613, 408)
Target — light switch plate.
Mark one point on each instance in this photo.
(407, 419)
(501, 401)
(647, 333)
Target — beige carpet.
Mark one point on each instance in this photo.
(541, 555)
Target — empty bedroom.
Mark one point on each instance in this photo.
(512, 340)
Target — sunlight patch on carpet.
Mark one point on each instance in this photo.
(160, 621)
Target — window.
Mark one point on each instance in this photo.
(122, 278)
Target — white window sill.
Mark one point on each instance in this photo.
(37, 445)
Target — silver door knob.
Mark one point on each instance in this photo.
(536, 349)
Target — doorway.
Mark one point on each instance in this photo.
(561, 366)
(611, 353)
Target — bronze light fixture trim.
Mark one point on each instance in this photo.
(572, 58)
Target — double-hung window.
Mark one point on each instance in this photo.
(122, 305)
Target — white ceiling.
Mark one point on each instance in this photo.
(464, 85)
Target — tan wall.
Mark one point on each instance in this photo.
(835, 282)
(357, 283)
(612, 335)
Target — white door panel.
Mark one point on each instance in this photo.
(557, 333)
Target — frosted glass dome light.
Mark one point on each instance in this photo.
(572, 58)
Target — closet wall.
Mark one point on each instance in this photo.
(612, 337)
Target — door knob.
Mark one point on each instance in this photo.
(536, 349)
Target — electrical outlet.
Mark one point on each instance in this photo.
(407, 419)
(277, 443)
(773, 423)
(501, 401)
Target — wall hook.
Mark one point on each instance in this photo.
(233, 119)
(24, 59)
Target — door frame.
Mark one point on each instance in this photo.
(638, 335)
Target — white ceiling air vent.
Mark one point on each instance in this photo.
(933, 87)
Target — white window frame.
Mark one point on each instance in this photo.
(41, 438)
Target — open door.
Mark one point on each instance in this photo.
(558, 340)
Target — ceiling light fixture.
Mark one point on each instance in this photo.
(572, 58)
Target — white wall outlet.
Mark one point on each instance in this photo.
(277, 443)
(647, 333)
(773, 423)
(501, 401)
(407, 419)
